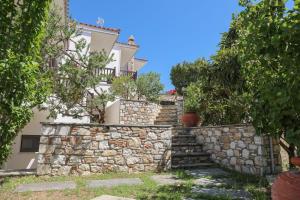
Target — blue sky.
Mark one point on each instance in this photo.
(168, 31)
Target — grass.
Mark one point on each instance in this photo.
(149, 190)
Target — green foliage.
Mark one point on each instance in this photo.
(22, 87)
(148, 86)
(124, 87)
(75, 82)
(269, 51)
(185, 73)
(218, 93)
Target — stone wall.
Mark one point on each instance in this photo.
(238, 147)
(180, 111)
(82, 149)
(138, 112)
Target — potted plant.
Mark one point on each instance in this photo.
(287, 184)
(190, 117)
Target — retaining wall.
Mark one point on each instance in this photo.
(83, 149)
(138, 112)
(238, 147)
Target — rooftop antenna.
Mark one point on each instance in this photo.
(100, 22)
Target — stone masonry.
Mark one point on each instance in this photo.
(135, 112)
(238, 147)
(82, 149)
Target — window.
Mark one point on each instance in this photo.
(30, 143)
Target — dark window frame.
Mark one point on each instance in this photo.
(36, 137)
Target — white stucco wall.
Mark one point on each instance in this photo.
(22, 160)
(112, 112)
(116, 60)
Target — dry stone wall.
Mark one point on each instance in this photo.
(239, 148)
(138, 112)
(82, 149)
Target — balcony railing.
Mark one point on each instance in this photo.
(132, 74)
(105, 71)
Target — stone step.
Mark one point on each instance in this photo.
(189, 160)
(184, 132)
(165, 123)
(166, 118)
(186, 148)
(169, 108)
(167, 114)
(167, 103)
(191, 154)
(184, 139)
(197, 165)
(189, 144)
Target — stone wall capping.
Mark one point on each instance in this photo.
(214, 126)
(105, 125)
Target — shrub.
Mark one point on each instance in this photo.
(149, 86)
(124, 86)
(183, 74)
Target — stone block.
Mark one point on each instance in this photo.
(233, 161)
(257, 140)
(58, 160)
(63, 130)
(252, 146)
(132, 160)
(249, 162)
(115, 135)
(108, 153)
(232, 145)
(134, 143)
(101, 160)
(229, 152)
(75, 159)
(64, 170)
(103, 145)
(241, 144)
(152, 136)
(245, 153)
(43, 169)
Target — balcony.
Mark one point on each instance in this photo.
(111, 73)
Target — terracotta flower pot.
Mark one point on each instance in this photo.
(295, 161)
(190, 119)
(287, 184)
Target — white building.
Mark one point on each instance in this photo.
(124, 63)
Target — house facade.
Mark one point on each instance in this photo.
(99, 38)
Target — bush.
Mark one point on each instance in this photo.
(183, 74)
(149, 86)
(124, 86)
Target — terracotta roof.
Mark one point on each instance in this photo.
(101, 28)
(66, 3)
(132, 45)
(141, 59)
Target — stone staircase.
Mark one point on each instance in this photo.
(167, 115)
(186, 152)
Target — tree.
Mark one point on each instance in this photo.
(148, 86)
(269, 51)
(185, 73)
(75, 73)
(22, 87)
(218, 93)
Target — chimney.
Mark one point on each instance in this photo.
(131, 40)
